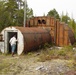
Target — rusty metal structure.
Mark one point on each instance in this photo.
(60, 32)
(38, 31)
(28, 38)
(34, 37)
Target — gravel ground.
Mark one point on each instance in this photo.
(29, 65)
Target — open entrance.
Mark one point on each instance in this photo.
(11, 34)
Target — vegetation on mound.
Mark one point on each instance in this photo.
(45, 54)
(65, 53)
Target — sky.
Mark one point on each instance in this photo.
(41, 7)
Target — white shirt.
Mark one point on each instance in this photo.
(13, 41)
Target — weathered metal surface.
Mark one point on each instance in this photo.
(64, 34)
(41, 30)
(60, 33)
(34, 37)
(41, 22)
(28, 38)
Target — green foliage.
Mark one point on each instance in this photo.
(53, 13)
(12, 13)
(30, 53)
(46, 45)
(72, 22)
(69, 21)
(72, 25)
(74, 45)
(67, 48)
(61, 52)
(65, 18)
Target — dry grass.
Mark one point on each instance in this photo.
(64, 53)
(19, 64)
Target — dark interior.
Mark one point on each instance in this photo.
(39, 22)
(11, 34)
(43, 21)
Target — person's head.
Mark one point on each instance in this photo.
(14, 35)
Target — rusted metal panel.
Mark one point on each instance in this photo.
(28, 23)
(31, 22)
(48, 21)
(61, 43)
(29, 38)
(52, 33)
(52, 21)
(41, 21)
(55, 28)
(57, 32)
(61, 34)
(35, 21)
(66, 38)
(70, 35)
(52, 28)
(34, 37)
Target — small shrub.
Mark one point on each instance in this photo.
(61, 52)
(72, 64)
(44, 57)
(74, 44)
(46, 45)
(52, 52)
(68, 48)
(40, 47)
(30, 53)
(64, 53)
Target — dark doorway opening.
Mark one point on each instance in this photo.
(11, 34)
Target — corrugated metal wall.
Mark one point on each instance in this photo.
(61, 34)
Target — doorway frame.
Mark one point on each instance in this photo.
(6, 32)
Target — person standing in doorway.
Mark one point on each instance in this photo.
(12, 42)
